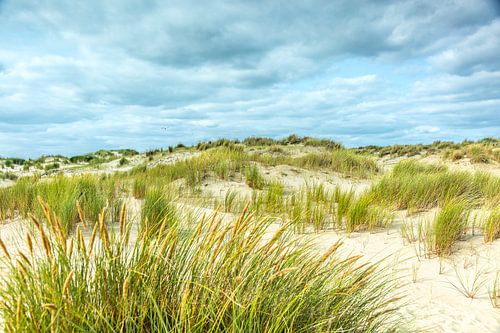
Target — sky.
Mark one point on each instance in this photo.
(78, 76)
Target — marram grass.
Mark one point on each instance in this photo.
(211, 277)
(416, 186)
(491, 229)
(448, 226)
(340, 160)
(363, 214)
(157, 210)
(254, 178)
(73, 199)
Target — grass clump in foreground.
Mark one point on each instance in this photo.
(210, 277)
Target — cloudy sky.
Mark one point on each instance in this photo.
(77, 76)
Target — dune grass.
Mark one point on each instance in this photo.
(491, 229)
(343, 161)
(222, 163)
(232, 162)
(254, 178)
(481, 151)
(210, 277)
(302, 212)
(297, 212)
(478, 153)
(139, 187)
(321, 209)
(347, 162)
(73, 199)
(363, 214)
(230, 200)
(439, 235)
(157, 210)
(274, 197)
(448, 226)
(469, 284)
(344, 200)
(8, 175)
(415, 186)
(494, 291)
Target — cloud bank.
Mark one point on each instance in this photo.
(142, 74)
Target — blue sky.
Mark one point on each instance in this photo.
(77, 76)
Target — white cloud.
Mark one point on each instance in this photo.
(479, 51)
(427, 129)
(101, 74)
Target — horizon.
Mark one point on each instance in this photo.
(186, 145)
(76, 79)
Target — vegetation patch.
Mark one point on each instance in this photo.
(415, 186)
(212, 277)
(73, 199)
(491, 229)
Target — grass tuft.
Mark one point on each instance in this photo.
(492, 226)
(157, 212)
(415, 186)
(363, 214)
(449, 225)
(254, 178)
(211, 277)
